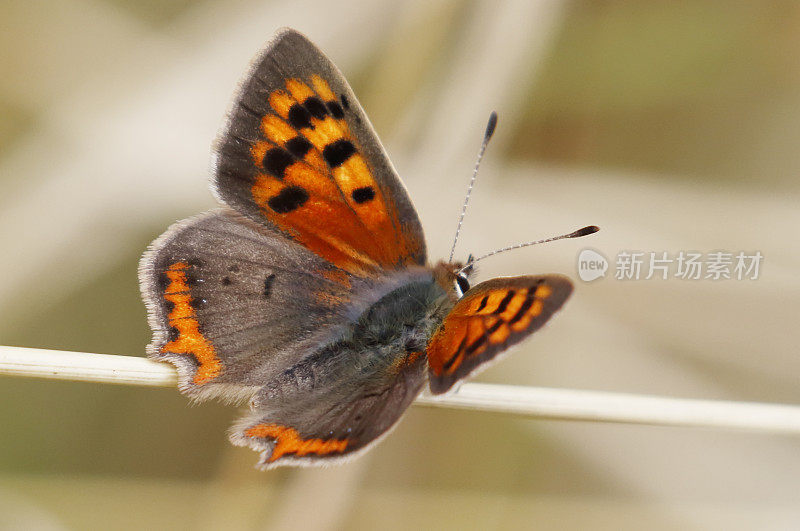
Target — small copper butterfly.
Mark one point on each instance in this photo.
(309, 294)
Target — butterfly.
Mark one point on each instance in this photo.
(308, 294)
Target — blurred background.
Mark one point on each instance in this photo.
(673, 126)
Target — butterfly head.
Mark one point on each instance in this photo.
(454, 276)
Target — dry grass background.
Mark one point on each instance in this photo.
(672, 126)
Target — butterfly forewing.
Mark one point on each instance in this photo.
(487, 320)
(299, 154)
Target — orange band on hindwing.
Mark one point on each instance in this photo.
(183, 321)
(289, 441)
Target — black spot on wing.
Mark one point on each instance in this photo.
(162, 281)
(174, 334)
(298, 146)
(495, 327)
(316, 107)
(336, 110)
(470, 350)
(337, 153)
(482, 305)
(226, 281)
(526, 305)
(192, 279)
(345, 101)
(290, 198)
(363, 194)
(504, 303)
(268, 284)
(299, 117)
(449, 363)
(276, 161)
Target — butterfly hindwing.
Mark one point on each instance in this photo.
(232, 303)
(331, 420)
(487, 320)
(299, 154)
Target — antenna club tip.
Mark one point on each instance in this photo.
(591, 229)
(490, 127)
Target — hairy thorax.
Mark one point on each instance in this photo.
(391, 334)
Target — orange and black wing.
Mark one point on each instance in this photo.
(299, 155)
(487, 320)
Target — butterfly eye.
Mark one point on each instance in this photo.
(462, 284)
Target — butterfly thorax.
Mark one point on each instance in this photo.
(388, 338)
(404, 318)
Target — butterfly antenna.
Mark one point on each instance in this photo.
(486, 137)
(585, 231)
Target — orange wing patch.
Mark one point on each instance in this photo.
(315, 184)
(289, 441)
(483, 320)
(183, 320)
